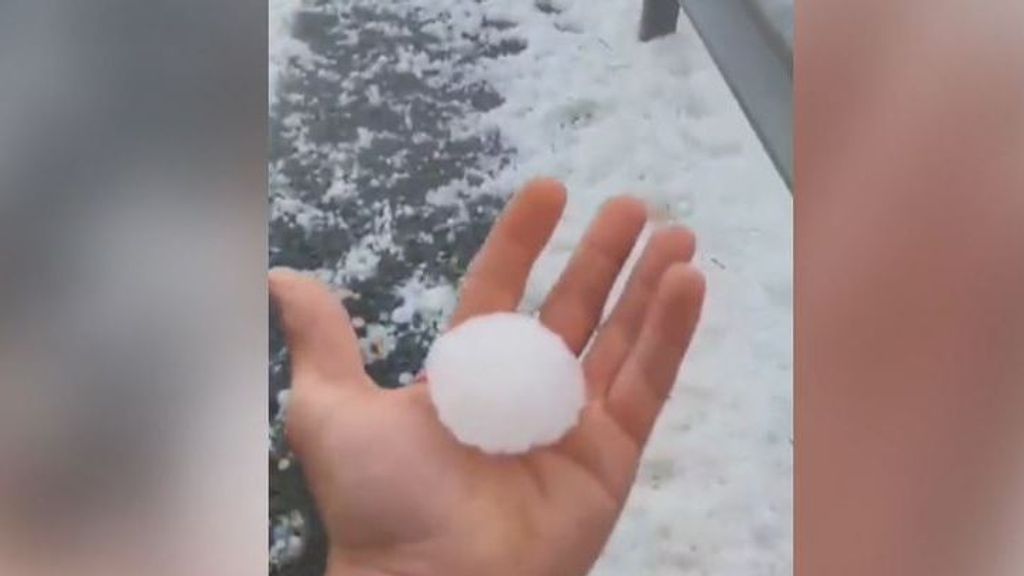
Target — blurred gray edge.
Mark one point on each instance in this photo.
(751, 42)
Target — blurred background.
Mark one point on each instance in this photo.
(132, 210)
(909, 274)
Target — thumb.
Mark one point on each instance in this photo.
(316, 327)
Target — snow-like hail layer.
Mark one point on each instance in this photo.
(505, 383)
(282, 46)
(585, 102)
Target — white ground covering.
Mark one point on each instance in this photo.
(587, 103)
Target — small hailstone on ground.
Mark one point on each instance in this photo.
(505, 383)
(282, 404)
(403, 314)
(286, 534)
(378, 343)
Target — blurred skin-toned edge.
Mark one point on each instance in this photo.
(133, 327)
(909, 288)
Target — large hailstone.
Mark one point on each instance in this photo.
(505, 383)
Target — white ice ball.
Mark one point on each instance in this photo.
(505, 383)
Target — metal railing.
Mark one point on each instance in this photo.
(752, 45)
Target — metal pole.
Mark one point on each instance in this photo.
(658, 18)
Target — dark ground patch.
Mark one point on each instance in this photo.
(356, 84)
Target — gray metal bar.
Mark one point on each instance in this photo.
(755, 57)
(658, 18)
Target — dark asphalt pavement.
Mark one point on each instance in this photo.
(318, 129)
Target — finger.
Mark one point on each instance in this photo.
(317, 329)
(642, 386)
(498, 274)
(576, 302)
(616, 336)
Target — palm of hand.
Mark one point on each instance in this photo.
(399, 495)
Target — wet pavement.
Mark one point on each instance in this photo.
(362, 133)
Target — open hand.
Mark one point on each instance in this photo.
(400, 496)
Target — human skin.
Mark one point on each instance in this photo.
(400, 496)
